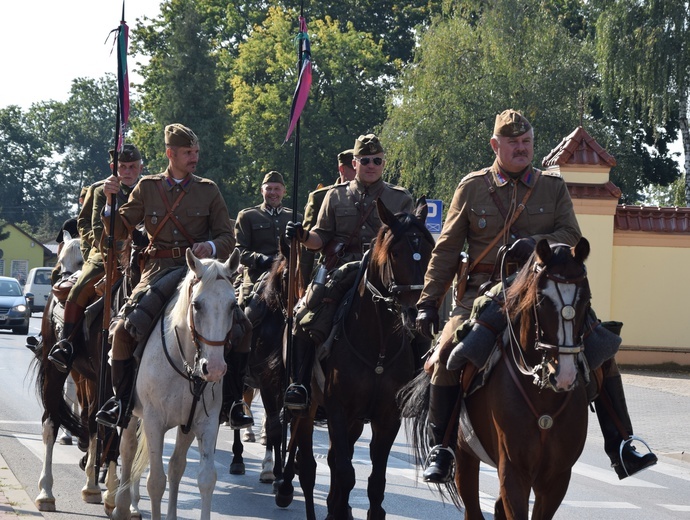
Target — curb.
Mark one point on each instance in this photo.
(14, 500)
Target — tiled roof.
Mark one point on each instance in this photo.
(594, 191)
(652, 219)
(579, 148)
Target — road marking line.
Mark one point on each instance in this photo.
(609, 477)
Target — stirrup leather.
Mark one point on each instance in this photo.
(304, 395)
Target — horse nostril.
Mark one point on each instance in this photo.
(204, 369)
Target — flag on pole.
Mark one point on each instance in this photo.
(299, 99)
(122, 80)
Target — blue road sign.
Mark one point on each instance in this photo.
(434, 220)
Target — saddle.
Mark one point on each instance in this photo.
(63, 286)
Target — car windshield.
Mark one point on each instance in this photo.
(9, 288)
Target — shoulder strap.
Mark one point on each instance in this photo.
(169, 215)
(517, 213)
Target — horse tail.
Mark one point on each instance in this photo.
(413, 401)
(141, 457)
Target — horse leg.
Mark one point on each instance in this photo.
(45, 501)
(343, 436)
(176, 467)
(111, 485)
(267, 463)
(513, 502)
(548, 495)
(467, 483)
(128, 448)
(382, 440)
(155, 483)
(237, 464)
(207, 469)
(248, 436)
(91, 492)
(307, 462)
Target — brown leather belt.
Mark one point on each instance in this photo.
(175, 252)
(483, 269)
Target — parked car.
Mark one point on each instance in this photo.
(15, 311)
(38, 287)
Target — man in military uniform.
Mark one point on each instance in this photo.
(346, 172)
(483, 203)
(346, 225)
(259, 230)
(179, 211)
(90, 225)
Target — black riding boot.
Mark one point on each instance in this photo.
(233, 387)
(62, 353)
(297, 394)
(616, 427)
(439, 469)
(115, 410)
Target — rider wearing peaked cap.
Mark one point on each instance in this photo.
(483, 203)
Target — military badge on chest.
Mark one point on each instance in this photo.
(481, 223)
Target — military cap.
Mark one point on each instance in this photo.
(345, 157)
(70, 225)
(177, 134)
(129, 153)
(273, 176)
(511, 123)
(367, 145)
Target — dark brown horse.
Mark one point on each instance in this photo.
(531, 415)
(371, 358)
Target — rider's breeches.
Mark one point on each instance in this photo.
(123, 342)
(83, 291)
(441, 376)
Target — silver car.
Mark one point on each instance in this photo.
(15, 311)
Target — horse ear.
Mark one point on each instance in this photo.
(421, 210)
(66, 236)
(543, 251)
(384, 213)
(581, 250)
(194, 263)
(233, 263)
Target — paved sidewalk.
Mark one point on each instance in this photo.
(14, 501)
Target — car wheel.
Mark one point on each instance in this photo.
(22, 331)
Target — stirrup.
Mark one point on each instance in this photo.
(303, 403)
(105, 414)
(439, 451)
(61, 355)
(621, 468)
(245, 411)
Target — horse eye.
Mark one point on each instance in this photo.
(196, 305)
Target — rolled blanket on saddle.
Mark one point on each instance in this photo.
(477, 336)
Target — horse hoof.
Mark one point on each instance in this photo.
(237, 468)
(91, 497)
(283, 500)
(108, 509)
(46, 504)
(267, 477)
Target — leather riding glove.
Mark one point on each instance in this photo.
(295, 230)
(427, 322)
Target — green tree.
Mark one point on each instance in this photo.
(347, 98)
(644, 59)
(469, 67)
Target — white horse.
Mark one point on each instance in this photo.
(185, 352)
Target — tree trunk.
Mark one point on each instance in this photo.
(685, 137)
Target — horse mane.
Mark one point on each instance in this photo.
(273, 289)
(384, 240)
(181, 300)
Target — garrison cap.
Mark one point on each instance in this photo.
(177, 134)
(367, 145)
(129, 153)
(345, 157)
(511, 123)
(273, 176)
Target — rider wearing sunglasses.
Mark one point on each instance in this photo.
(346, 225)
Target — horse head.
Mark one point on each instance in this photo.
(400, 256)
(209, 303)
(70, 258)
(554, 290)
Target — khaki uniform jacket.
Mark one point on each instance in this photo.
(474, 219)
(85, 221)
(259, 230)
(343, 208)
(201, 212)
(311, 214)
(100, 242)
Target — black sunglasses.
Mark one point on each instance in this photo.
(378, 161)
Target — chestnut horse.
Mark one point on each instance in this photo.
(530, 418)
